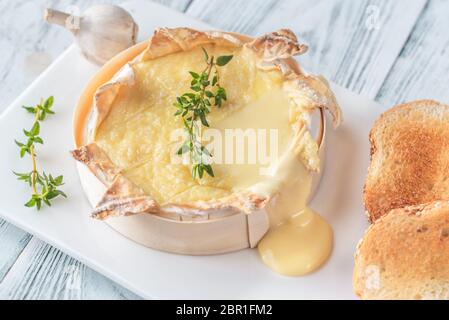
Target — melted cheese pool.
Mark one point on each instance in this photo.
(137, 136)
(298, 246)
(299, 240)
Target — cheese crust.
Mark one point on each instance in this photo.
(126, 165)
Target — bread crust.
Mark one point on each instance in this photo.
(409, 158)
(405, 255)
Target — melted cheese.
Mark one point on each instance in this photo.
(136, 135)
(298, 246)
(299, 240)
(269, 112)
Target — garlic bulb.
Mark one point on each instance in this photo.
(101, 32)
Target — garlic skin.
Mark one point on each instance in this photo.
(101, 32)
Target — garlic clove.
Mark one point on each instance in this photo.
(101, 32)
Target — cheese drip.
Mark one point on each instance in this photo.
(299, 240)
(136, 135)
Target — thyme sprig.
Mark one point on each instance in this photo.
(44, 187)
(195, 105)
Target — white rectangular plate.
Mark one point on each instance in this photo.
(154, 274)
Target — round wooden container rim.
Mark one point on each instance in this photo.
(85, 103)
(140, 228)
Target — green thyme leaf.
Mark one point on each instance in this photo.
(35, 130)
(194, 106)
(44, 187)
(194, 75)
(29, 109)
(49, 102)
(206, 55)
(208, 169)
(31, 203)
(223, 60)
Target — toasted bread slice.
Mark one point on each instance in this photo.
(405, 255)
(409, 157)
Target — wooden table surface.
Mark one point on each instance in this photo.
(390, 51)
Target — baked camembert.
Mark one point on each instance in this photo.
(129, 146)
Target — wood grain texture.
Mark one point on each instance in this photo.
(28, 46)
(422, 69)
(232, 15)
(43, 272)
(179, 5)
(12, 242)
(351, 42)
(354, 43)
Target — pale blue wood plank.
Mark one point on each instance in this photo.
(343, 47)
(12, 242)
(28, 45)
(351, 42)
(422, 69)
(43, 272)
(231, 15)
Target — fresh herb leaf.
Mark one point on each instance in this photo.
(31, 203)
(194, 75)
(223, 60)
(44, 187)
(35, 130)
(209, 170)
(29, 109)
(206, 55)
(194, 106)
